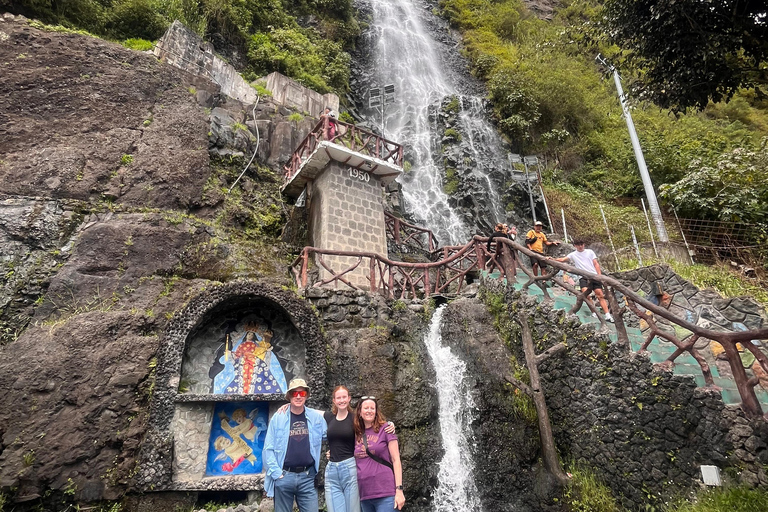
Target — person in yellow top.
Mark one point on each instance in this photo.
(536, 240)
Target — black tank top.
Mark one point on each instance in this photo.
(341, 436)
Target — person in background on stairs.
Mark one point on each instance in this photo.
(505, 256)
(331, 116)
(586, 260)
(536, 240)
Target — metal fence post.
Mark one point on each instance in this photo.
(610, 238)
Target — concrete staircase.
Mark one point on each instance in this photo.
(659, 351)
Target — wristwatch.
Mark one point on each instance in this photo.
(399, 487)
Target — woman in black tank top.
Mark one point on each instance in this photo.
(341, 491)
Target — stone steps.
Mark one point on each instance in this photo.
(659, 352)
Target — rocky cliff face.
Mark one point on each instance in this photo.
(112, 216)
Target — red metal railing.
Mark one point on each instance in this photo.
(397, 279)
(347, 135)
(409, 234)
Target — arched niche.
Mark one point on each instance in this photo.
(222, 331)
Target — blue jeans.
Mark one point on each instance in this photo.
(385, 504)
(296, 485)
(341, 494)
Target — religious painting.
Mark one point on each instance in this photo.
(246, 364)
(237, 438)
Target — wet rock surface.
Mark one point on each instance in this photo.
(507, 446)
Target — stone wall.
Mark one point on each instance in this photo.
(182, 48)
(294, 95)
(705, 308)
(347, 214)
(192, 428)
(643, 430)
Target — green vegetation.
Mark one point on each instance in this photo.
(126, 160)
(295, 117)
(587, 493)
(451, 183)
(550, 98)
(722, 279)
(266, 31)
(141, 45)
(734, 499)
(452, 133)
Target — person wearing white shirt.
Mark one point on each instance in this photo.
(586, 259)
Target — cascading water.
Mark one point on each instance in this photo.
(405, 54)
(456, 488)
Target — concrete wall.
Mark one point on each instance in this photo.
(347, 215)
(184, 49)
(292, 94)
(192, 429)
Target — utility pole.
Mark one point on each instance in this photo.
(653, 204)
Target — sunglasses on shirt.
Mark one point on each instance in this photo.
(299, 392)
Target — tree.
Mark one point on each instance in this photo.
(688, 52)
(735, 189)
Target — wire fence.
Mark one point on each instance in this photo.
(691, 240)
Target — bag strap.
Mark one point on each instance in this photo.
(376, 457)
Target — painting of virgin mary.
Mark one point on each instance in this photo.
(249, 366)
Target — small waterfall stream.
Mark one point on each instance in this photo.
(456, 487)
(405, 54)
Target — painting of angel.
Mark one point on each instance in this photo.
(237, 438)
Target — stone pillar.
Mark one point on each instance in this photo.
(347, 214)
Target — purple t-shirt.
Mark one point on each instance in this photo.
(373, 479)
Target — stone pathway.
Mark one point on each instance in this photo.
(659, 351)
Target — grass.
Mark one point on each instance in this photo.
(722, 279)
(141, 45)
(734, 499)
(296, 117)
(587, 493)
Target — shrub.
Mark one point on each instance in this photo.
(141, 45)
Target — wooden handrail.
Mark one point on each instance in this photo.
(410, 279)
(348, 135)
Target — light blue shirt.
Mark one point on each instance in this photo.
(276, 444)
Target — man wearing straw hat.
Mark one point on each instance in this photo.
(292, 452)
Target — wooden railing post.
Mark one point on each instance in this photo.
(618, 318)
(373, 274)
(304, 265)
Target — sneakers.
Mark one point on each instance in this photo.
(608, 317)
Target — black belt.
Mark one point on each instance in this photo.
(297, 469)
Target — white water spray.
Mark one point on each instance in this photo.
(456, 486)
(406, 56)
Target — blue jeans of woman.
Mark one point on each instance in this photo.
(385, 504)
(341, 494)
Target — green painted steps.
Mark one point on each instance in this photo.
(659, 352)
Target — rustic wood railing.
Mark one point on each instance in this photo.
(409, 234)
(347, 135)
(402, 280)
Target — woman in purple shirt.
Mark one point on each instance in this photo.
(379, 471)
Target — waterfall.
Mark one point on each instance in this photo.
(406, 55)
(456, 487)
